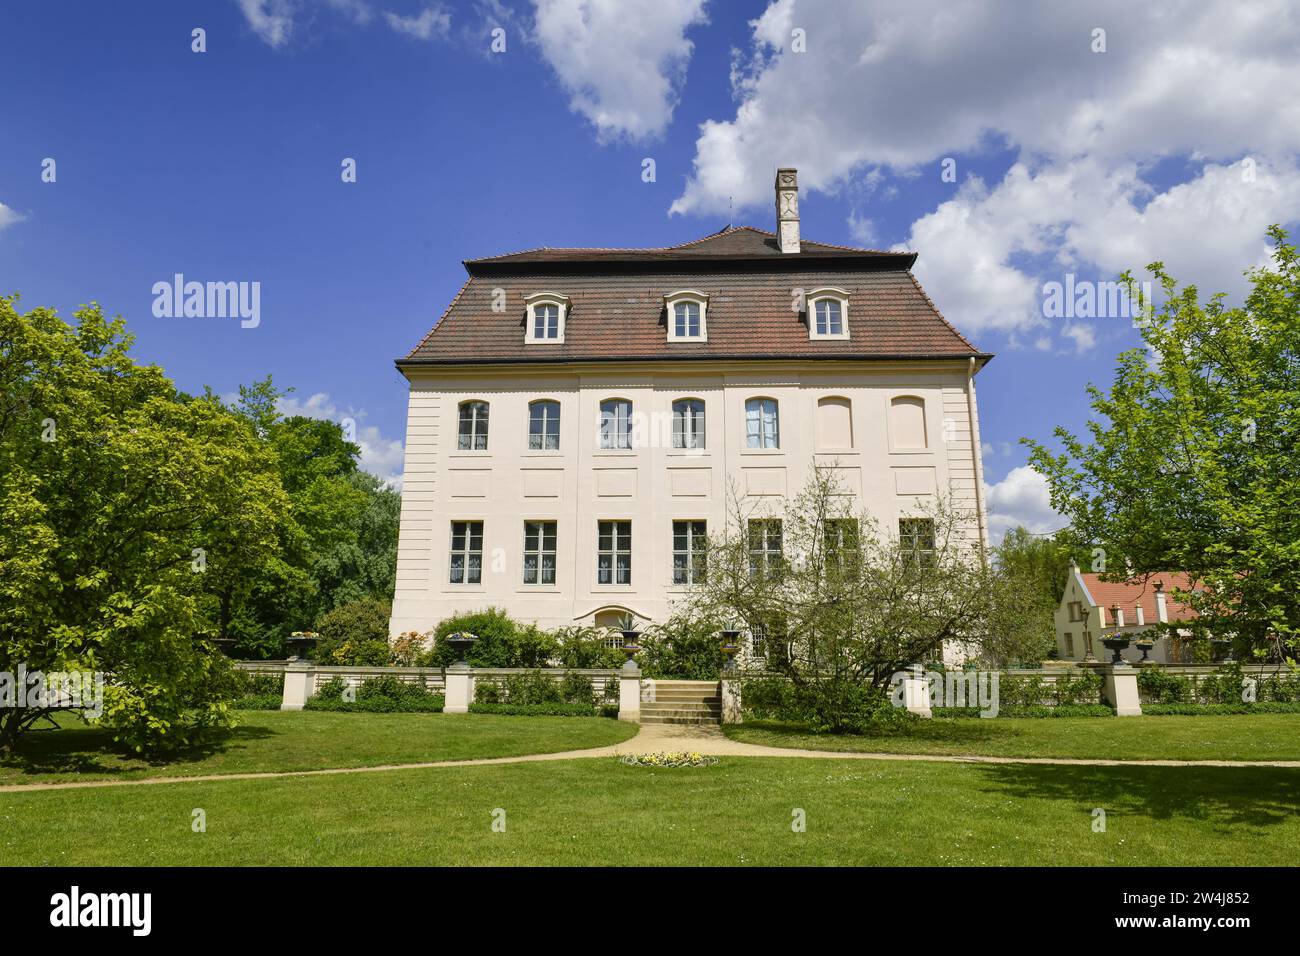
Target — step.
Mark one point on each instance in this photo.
(683, 709)
(656, 719)
(691, 698)
(686, 684)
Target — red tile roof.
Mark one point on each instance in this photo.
(617, 306)
(1141, 590)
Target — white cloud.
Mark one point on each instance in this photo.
(893, 87)
(272, 20)
(276, 21)
(432, 21)
(622, 64)
(8, 216)
(380, 456)
(1021, 498)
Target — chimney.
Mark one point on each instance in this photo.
(1117, 615)
(1162, 611)
(787, 209)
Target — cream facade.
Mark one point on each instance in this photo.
(896, 433)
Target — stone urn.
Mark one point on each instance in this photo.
(300, 643)
(1115, 645)
(1145, 645)
(460, 643)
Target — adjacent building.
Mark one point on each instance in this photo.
(578, 417)
(1091, 609)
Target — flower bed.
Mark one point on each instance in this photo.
(672, 758)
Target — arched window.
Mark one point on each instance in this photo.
(544, 425)
(907, 422)
(616, 423)
(834, 423)
(687, 316)
(688, 423)
(828, 314)
(547, 312)
(762, 425)
(472, 428)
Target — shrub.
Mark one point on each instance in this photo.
(502, 641)
(532, 687)
(383, 694)
(1083, 689)
(409, 649)
(1157, 685)
(577, 689)
(1016, 691)
(355, 634)
(486, 692)
(859, 707)
(585, 647)
(684, 647)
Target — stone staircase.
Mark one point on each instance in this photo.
(683, 702)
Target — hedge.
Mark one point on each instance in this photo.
(544, 710)
(1198, 710)
(1061, 710)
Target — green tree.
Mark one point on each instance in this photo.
(1191, 463)
(124, 504)
(849, 605)
(1035, 568)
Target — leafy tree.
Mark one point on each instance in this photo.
(1192, 461)
(355, 633)
(124, 503)
(1035, 568)
(848, 605)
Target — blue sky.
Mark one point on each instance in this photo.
(225, 165)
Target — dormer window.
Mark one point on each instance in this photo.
(687, 316)
(828, 314)
(546, 314)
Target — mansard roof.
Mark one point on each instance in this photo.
(617, 313)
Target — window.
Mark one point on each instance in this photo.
(473, 428)
(466, 552)
(613, 552)
(1069, 644)
(686, 312)
(761, 429)
(688, 423)
(547, 312)
(834, 423)
(546, 321)
(907, 422)
(539, 552)
(686, 320)
(916, 541)
(544, 425)
(829, 320)
(840, 537)
(616, 423)
(689, 555)
(828, 314)
(765, 546)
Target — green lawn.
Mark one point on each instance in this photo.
(597, 811)
(309, 740)
(1240, 737)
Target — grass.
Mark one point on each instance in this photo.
(309, 740)
(739, 812)
(1245, 737)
